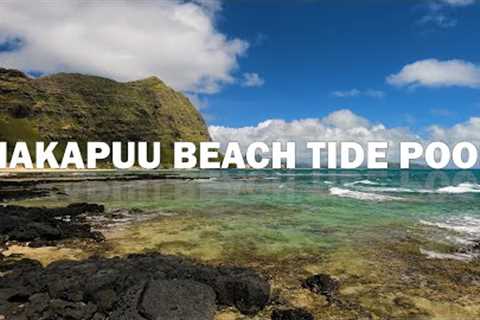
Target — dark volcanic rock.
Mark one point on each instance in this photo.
(178, 300)
(136, 287)
(322, 284)
(7, 194)
(26, 224)
(292, 314)
(243, 291)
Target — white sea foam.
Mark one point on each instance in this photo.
(387, 189)
(271, 178)
(449, 256)
(461, 188)
(460, 231)
(365, 182)
(372, 186)
(345, 193)
(467, 225)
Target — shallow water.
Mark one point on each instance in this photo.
(381, 232)
(295, 209)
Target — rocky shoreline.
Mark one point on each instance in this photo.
(137, 286)
(42, 226)
(134, 287)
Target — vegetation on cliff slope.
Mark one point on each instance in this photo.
(74, 107)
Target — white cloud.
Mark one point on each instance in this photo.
(342, 125)
(441, 13)
(458, 3)
(465, 131)
(252, 80)
(125, 40)
(347, 93)
(440, 19)
(375, 93)
(355, 93)
(200, 103)
(435, 73)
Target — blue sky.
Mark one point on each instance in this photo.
(306, 50)
(302, 59)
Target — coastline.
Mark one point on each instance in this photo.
(374, 277)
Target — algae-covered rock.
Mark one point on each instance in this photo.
(74, 107)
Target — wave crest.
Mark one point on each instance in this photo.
(358, 195)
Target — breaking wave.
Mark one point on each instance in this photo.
(463, 232)
(461, 188)
(467, 225)
(365, 182)
(345, 193)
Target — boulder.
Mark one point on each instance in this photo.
(322, 284)
(291, 314)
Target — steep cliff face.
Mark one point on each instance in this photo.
(74, 107)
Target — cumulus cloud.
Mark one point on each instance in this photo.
(355, 93)
(436, 73)
(465, 131)
(252, 80)
(342, 125)
(125, 40)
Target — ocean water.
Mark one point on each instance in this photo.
(403, 244)
(258, 213)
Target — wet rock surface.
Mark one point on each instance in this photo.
(41, 225)
(135, 287)
(292, 314)
(323, 284)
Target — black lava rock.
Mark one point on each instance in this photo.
(322, 284)
(177, 300)
(136, 287)
(43, 225)
(292, 314)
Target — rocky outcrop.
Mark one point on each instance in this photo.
(27, 224)
(137, 287)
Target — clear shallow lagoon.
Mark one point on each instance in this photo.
(385, 234)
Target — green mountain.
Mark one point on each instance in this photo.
(75, 107)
